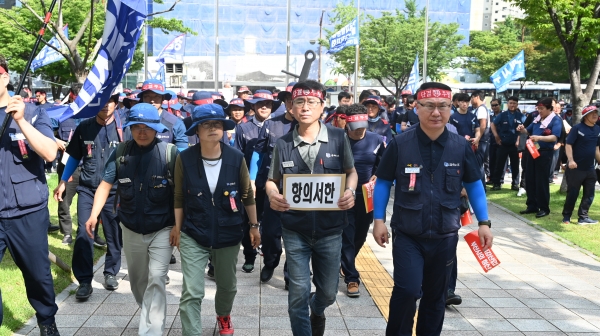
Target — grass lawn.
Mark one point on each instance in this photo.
(585, 236)
(17, 309)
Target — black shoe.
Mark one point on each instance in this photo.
(53, 228)
(317, 324)
(173, 259)
(528, 211)
(99, 242)
(496, 187)
(489, 183)
(514, 187)
(48, 330)
(67, 240)
(266, 274)
(211, 271)
(84, 291)
(110, 282)
(586, 221)
(453, 299)
(542, 213)
(248, 267)
(167, 280)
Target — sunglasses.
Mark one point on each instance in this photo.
(494, 105)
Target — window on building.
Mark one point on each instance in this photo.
(178, 68)
(495, 11)
(487, 16)
(2, 2)
(503, 16)
(485, 25)
(495, 20)
(503, 8)
(496, 4)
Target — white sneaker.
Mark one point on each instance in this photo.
(521, 192)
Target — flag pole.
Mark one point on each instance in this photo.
(8, 118)
(426, 38)
(357, 56)
(287, 48)
(216, 75)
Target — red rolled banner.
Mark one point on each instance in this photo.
(465, 218)
(532, 149)
(487, 259)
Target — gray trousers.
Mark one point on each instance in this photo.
(148, 259)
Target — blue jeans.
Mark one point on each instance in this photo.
(325, 253)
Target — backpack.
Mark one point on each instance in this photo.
(124, 147)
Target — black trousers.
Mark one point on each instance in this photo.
(27, 240)
(83, 250)
(537, 175)
(482, 155)
(64, 207)
(421, 271)
(575, 180)
(502, 153)
(271, 238)
(354, 237)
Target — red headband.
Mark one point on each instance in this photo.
(203, 101)
(434, 93)
(190, 94)
(72, 95)
(588, 109)
(263, 96)
(158, 87)
(2, 71)
(307, 93)
(357, 117)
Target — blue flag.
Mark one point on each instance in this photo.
(174, 49)
(512, 70)
(345, 37)
(161, 75)
(413, 79)
(48, 55)
(122, 29)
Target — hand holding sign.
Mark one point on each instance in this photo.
(485, 256)
(315, 192)
(346, 201)
(278, 203)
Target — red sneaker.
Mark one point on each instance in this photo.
(225, 325)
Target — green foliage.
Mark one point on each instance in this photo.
(389, 44)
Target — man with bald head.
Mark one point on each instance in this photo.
(430, 165)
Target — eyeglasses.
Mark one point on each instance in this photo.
(494, 105)
(212, 124)
(433, 107)
(310, 102)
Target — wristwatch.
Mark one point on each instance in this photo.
(353, 192)
(486, 222)
(252, 226)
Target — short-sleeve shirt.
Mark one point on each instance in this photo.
(584, 140)
(431, 152)
(308, 151)
(555, 128)
(465, 124)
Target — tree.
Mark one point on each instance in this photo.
(389, 44)
(573, 26)
(19, 26)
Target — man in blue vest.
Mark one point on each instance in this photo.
(260, 165)
(430, 165)
(246, 135)
(376, 123)
(312, 147)
(143, 170)
(92, 142)
(409, 118)
(27, 142)
(505, 133)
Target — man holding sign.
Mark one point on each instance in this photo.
(430, 165)
(323, 154)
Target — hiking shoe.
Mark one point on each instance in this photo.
(84, 291)
(67, 240)
(453, 299)
(48, 330)
(248, 267)
(225, 325)
(99, 242)
(211, 271)
(266, 274)
(586, 221)
(173, 260)
(521, 192)
(110, 282)
(352, 290)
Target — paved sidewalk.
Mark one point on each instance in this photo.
(542, 287)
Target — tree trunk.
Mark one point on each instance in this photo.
(563, 184)
(56, 90)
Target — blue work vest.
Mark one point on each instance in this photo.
(168, 120)
(274, 128)
(249, 132)
(93, 163)
(508, 134)
(208, 217)
(145, 202)
(431, 208)
(331, 155)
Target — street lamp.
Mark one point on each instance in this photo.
(320, 37)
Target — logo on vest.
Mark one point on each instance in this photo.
(331, 155)
(231, 184)
(451, 164)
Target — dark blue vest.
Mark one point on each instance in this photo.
(508, 135)
(168, 120)
(249, 132)
(314, 223)
(274, 129)
(431, 209)
(145, 202)
(93, 165)
(209, 218)
(382, 128)
(24, 188)
(413, 118)
(365, 154)
(67, 127)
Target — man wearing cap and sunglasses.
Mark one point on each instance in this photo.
(142, 170)
(430, 165)
(311, 237)
(92, 142)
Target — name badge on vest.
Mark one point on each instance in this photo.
(287, 164)
(124, 180)
(413, 170)
(16, 136)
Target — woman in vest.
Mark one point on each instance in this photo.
(141, 169)
(544, 131)
(212, 183)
